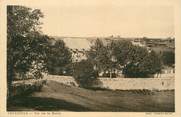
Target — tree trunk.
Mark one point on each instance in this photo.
(10, 76)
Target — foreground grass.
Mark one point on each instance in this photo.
(58, 97)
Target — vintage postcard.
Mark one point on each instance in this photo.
(90, 58)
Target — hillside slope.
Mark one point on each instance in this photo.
(55, 96)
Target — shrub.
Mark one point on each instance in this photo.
(168, 58)
(84, 73)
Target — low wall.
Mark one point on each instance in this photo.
(25, 87)
(121, 83)
(68, 80)
(135, 83)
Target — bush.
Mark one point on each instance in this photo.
(84, 73)
(168, 58)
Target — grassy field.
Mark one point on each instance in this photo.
(58, 97)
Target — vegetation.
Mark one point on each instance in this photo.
(59, 59)
(134, 61)
(148, 66)
(25, 43)
(84, 73)
(168, 58)
(30, 51)
(78, 99)
(102, 58)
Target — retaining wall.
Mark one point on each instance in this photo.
(135, 83)
(68, 80)
(121, 83)
(26, 87)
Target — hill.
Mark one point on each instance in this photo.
(55, 96)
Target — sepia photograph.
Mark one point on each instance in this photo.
(94, 58)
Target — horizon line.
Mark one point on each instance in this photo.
(117, 36)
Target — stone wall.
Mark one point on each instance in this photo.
(68, 80)
(135, 83)
(25, 87)
(121, 83)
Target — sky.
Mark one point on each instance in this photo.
(106, 20)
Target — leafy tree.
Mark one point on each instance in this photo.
(148, 66)
(122, 51)
(25, 43)
(84, 73)
(101, 56)
(135, 61)
(94, 55)
(23, 21)
(59, 59)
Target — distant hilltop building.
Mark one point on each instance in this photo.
(154, 42)
(167, 42)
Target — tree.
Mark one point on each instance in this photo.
(59, 59)
(25, 43)
(134, 61)
(96, 54)
(123, 51)
(148, 66)
(101, 56)
(84, 73)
